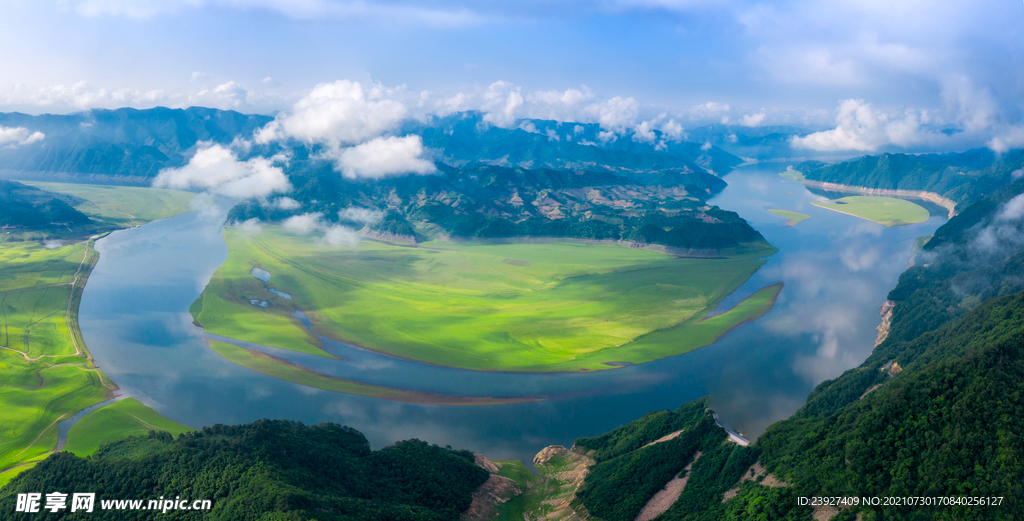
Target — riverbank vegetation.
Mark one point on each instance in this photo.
(887, 211)
(117, 421)
(267, 470)
(794, 218)
(560, 306)
(281, 369)
(45, 367)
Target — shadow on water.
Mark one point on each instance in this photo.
(837, 270)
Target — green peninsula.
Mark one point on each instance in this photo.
(794, 217)
(563, 306)
(887, 211)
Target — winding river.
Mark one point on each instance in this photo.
(837, 270)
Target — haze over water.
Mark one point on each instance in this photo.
(837, 270)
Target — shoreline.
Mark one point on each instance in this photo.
(931, 197)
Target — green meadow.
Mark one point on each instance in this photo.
(887, 211)
(123, 418)
(511, 307)
(46, 374)
(281, 369)
(794, 217)
(123, 206)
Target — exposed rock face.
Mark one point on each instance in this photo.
(564, 471)
(486, 498)
(495, 491)
(883, 328)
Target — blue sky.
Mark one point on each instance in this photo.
(874, 73)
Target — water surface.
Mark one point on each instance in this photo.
(837, 270)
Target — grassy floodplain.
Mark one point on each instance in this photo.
(46, 374)
(122, 206)
(887, 211)
(281, 369)
(794, 217)
(512, 307)
(123, 418)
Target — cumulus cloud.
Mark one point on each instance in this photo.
(286, 203)
(334, 235)
(672, 131)
(644, 133)
(249, 227)
(337, 114)
(361, 215)
(350, 120)
(752, 120)
(338, 236)
(217, 169)
(709, 110)
(19, 136)
(616, 114)
(1007, 138)
(501, 102)
(860, 127)
(304, 224)
(1013, 209)
(382, 157)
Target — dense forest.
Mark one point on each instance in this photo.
(267, 470)
(25, 206)
(964, 177)
(665, 207)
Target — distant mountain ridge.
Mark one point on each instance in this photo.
(963, 177)
(123, 144)
(131, 145)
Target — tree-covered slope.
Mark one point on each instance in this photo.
(265, 470)
(964, 177)
(24, 206)
(665, 207)
(121, 143)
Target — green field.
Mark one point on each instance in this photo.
(271, 366)
(123, 418)
(516, 307)
(794, 217)
(887, 211)
(123, 206)
(46, 374)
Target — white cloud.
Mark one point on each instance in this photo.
(250, 227)
(1013, 209)
(385, 156)
(672, 131)
(615, 114)
(709, 110)
(644, 133)
(304, 224)
(975, 108)
(752, 120)
(339, 236)
(19, 136)
(501, 101)
(861, 127)
(335, 235)
(218, 170)
(1007, 138)
(361, 215)
(336, 114)
(286, 203)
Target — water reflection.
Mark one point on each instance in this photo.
(837, 271)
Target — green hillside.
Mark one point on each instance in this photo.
(267, 470)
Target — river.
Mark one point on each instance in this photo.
(837, 270)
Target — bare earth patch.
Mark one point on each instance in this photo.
(664, 499)
(665, 438)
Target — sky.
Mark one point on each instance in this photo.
(868, 74)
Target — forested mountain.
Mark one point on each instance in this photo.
(28, 207)
(125, 144)
(963, 177)
(665, 207)
(464, 138)
(267, 470)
